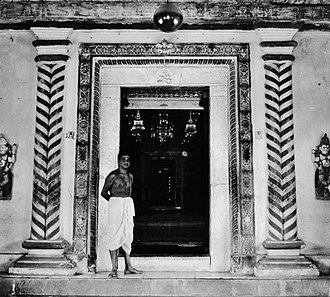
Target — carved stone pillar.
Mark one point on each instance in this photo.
(45, 245)
(282, 243)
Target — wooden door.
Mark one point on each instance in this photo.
(162, 180)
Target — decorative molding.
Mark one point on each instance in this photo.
(52, 52)
(52, 44)
(43, 33)
(278, 57)
(174, 92)
(158, 97)
(276, 34)
(51, 59)
(165, 48)
(277, 41)
(287, 43)
(92, 57)
(164, 77)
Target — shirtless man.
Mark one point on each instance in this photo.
(117, 190)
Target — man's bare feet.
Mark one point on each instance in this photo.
(113, 274)
(132, 270)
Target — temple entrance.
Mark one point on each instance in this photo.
(203, 226)
(170, 161)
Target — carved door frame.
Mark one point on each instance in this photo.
(91, 59)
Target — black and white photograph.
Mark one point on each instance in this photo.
(164, 148)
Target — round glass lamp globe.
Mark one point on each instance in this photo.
(168, 17)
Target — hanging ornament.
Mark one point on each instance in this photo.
(168, 17)
(190, 130)
(163, 129)
(138, 127)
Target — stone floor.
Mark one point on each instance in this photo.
(163, 284)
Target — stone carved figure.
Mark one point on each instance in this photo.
(7, 159)
(321, 157)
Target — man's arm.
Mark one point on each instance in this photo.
(107, 186)
(131, 184)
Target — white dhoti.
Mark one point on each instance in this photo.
(120, 223)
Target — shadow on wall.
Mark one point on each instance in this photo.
(319, 256)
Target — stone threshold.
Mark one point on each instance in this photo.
(166, 275)
(160, 284)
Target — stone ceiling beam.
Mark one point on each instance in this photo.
(138, 14)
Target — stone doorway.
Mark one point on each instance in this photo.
(170, 164)
(224, 68)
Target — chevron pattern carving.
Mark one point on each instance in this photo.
(280, 150)
(47, 148)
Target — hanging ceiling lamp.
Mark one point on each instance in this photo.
(190, 130)
(163, 130)
(168, 17)
(137, 127)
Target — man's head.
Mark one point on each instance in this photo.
(124, 159)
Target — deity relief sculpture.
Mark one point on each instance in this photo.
(321, 157)
(7, 159)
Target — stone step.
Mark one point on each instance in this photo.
(42, 265)
(285, 265)
(157, 284)
(39, 270)
(282, 260)
(42, 259)
(171, 224)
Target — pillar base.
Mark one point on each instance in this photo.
(283, 259)
(44, 257)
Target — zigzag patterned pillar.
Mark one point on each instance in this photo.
(52, 54)
(282, 244)
(282, 221)
(47, 148)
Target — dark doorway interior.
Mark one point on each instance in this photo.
(171, 181)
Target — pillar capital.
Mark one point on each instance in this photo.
(276, 34)
(52, 33)
(52, 44)
(277, 41)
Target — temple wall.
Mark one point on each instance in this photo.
(311, 76)
(17, 113)
(18, 98)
